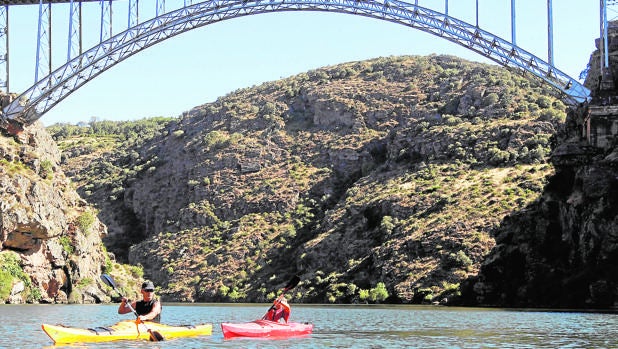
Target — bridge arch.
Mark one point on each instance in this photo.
(52, 89)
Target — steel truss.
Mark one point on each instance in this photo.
(106, 28)
(43, 42)
(75, 30)
(52, 89)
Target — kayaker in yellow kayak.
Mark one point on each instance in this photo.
(280, 310)
(148, 309)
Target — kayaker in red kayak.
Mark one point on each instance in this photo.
(280, 310)
(148, 309)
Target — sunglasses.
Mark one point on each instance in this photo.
(148, 290)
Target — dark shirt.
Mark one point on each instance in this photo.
(143, 308)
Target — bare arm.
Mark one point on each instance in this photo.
(123, 308)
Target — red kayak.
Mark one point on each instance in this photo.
(265, 329)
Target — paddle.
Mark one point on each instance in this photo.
(155, 336)
(290, 285)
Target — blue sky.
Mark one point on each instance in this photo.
(203, 64)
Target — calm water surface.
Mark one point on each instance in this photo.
(334, 327)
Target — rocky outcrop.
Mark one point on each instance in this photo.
(50, 239)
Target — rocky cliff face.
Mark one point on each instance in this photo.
(562, 251)
(50, 239)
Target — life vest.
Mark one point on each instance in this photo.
(277, 314)
(143, 308)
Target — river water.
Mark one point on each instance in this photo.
(355, 326)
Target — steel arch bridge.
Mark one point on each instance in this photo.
(52, 89)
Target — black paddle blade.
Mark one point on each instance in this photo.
(292, 283)
(108, 280)
(155, 336)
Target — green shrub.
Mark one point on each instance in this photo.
(497, 156)
(6, 284)
(490, 99)
(387, 225)
(452, 120)
(224, 290)
(136, 270)
(544, 102)
(46, 169)
(66, 244)
(351, 289)
(235, 295)
(450, 289)
(216, 140)
(537, 155)
(13, 167)
(34, 295)
(460, 259)
(193, 183)
(84, 282)
(108, 266)
(425, 294)
(552, 115)
(378, 293)
(363, 295)
(84, 222)
(11, 269)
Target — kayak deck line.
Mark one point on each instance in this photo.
(100, 329)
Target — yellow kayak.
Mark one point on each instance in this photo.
(127, 329)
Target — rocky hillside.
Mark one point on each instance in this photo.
(382, 180)
(50, 238)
